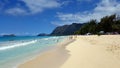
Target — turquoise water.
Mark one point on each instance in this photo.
(16, 50)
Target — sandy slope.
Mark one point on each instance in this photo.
(85, 52)
(94, 52)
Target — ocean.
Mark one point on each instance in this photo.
(17, 50)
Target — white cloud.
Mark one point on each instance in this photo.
(108, 6)
(64, 3)
(36, 6)
(104, 8)
(33, 7)
(16, 11)
(56, 23)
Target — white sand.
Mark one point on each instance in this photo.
(85, 52)
(94, 52)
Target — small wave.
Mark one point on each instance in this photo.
(51, 38)
(17, 45)
(46, 39)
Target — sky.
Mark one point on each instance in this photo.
(31, 17)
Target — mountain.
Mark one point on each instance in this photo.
(9, 35)
(66, 29)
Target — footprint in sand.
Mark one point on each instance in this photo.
(114, 49)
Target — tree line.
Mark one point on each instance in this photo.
(107, 24)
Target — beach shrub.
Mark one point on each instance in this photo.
(108, 24)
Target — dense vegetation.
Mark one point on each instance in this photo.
(107, 24)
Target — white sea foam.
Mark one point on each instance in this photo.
(19, 51)
(46, 39)
(50, 38)
(18, 44)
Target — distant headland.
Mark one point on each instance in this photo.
(9, 35)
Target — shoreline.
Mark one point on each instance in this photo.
(85, 52)
(54, 51)
(94, 52)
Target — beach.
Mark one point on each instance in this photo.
(84, 52)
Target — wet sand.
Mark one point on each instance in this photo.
(53, 58)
